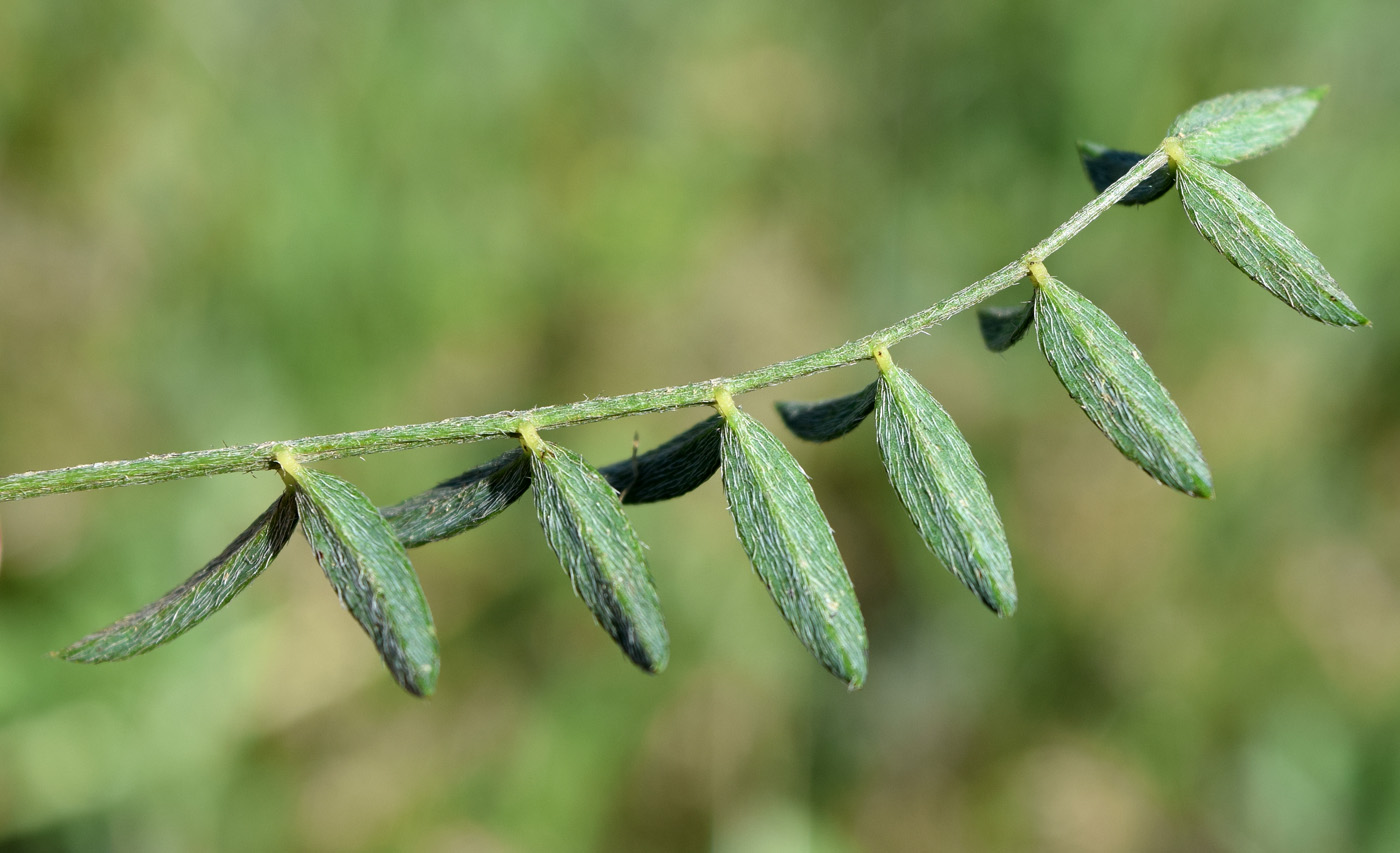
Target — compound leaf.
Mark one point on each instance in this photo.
(457, 505)
(371, 574)
(1234, 127)
(198, 598)
(1245, 230)
(584, 524)
(932, 469)
(1003, 325)
(1104, 166)
(791, 547)
(1109, 379)
(679, 466)
(828, 419)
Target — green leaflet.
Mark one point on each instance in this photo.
(1245, 230)
(197, 598)
(1234, 127)
(1003, 326)
(940, 485)
(584, 524)
(679, 466)
(1109, 379)
(370, 572)
(828, 419)
(459, 504)
(1104, 166)
(790, 545)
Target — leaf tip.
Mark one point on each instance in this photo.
(854, 673)
(1338, 311)
(422, 689)
(1355, 320)
(1088, 150)
(651, 652)
(848, 657)
(1002, 602)
(789, 411)
(653, 664)
(419, 679)
(78, 652)
(1198, 483)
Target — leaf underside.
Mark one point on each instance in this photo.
(789, 542)
(1245, 230)
(1241, 125)
(828, 419)
(198, 598)
(679, 466)
(584, 524)
(938, 481)
(1002, 326)
(1109, 379)
(1105, 165)
(462, 503)
(371, 574)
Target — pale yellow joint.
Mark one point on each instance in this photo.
(1039, 274)
(882, 358)
(724, 401)
(530, 439)
(1176, 155)
(288, 466)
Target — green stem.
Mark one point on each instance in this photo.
(261, 457)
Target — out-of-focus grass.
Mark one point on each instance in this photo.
(232, 222)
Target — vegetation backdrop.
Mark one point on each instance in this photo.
(227, 222)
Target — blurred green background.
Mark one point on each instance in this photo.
(237, 221)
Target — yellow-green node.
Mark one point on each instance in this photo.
(530, 439)
(288, 466)
(724, 402)
(1175, 153)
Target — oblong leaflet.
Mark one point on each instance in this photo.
(1245, 230)
(371, 574)
(198, 598)
(938, 481)
(1002, 326)
(679, 466)
(828, 419)
(462, 503)
(1241, 125)
(1105, 165)
(789, 542)
(1109, 379)
(585, 526)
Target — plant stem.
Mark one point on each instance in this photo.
(261, 457)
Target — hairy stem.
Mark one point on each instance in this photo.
(262, 457)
